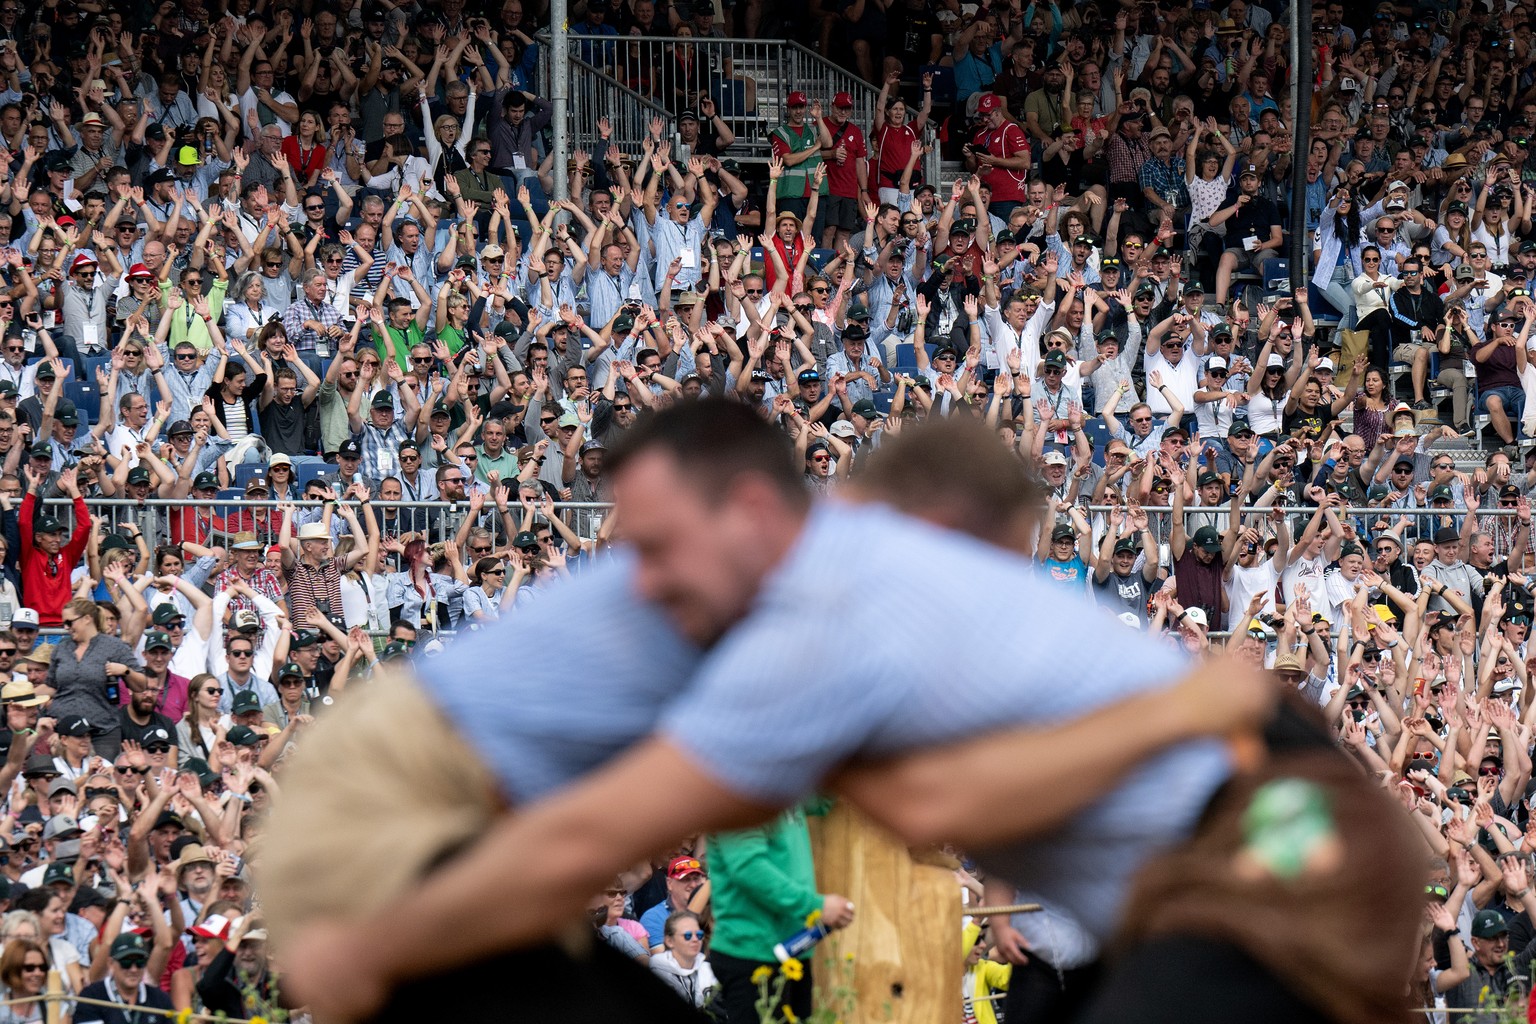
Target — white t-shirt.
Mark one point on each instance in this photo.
(1247, 582)
(1305, 570)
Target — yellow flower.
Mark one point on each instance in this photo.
(761, 975)
(184, 1016)
(812, 918)
(257, 1020)
(789, 1014)
(848, 957)
(793, 969)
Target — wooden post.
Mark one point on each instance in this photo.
(52, 1008)
(905, 939)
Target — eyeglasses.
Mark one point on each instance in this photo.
(691, 935)
(551, 419)
(186, 355)
(31, 968)
(479, 551)
(289, 682)
(241, 654)
(1141, 419)
(272, 266)
(754, 291)
(821, 289)
(314, 209)
(494, 572)
(421, 360)
(1371, 259)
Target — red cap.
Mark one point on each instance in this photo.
(81, 260)
(682, 867)
(65, 221)
(988, 103)
(796, 99)
(842, 99)
(140, 270)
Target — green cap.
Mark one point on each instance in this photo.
(130, 947)
(1488, 924)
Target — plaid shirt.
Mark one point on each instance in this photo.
(302, 337)
(1166, 178)
(381, 449)
(264, 581)
(1125, 157)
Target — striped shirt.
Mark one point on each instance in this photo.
(595, 669)
(308, 584)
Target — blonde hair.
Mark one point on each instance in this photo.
(84, 606)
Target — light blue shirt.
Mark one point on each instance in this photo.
(591, 670)
(770, 720)
(588, 670)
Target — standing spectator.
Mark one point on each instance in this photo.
(847, 174)
(46, 558)
(764, 890)
(999, 153)
(799, 145)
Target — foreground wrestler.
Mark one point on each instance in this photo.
(729, 552)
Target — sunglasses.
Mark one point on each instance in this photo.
(241, 654)
(691, 935)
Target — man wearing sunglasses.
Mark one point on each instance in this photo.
(126, 986)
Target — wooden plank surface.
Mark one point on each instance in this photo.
(905, 938)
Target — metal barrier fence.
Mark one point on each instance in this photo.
(164, 520)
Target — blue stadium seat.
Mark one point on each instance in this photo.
(86, 398)
(246, 471)
(89, 364)
(943, 81)
(308, 471)
(1098, 435)
(228, 494)
(1277, 275)
(882, 401)
(906, 353)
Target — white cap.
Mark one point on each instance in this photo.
(1325, 363)
(1054, 459)
(1216, 363)
(314, 531)
(842, 428)
(1130, 619)
(1275, 359)
(1197, 616)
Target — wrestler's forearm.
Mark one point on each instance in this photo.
(1020, 782)
(565, 849)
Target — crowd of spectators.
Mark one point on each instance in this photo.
(303, 255)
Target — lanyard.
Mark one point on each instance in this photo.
(113, 995)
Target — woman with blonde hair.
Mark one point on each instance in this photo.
(85, 660)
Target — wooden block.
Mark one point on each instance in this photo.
(905, 939)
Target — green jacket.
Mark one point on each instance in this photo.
(763, 885)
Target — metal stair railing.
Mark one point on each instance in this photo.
(595, 94)
(749, 81)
